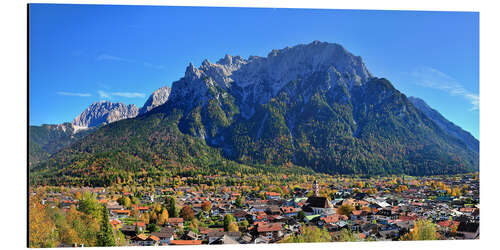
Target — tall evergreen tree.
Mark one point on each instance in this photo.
(105, 237)
(173, 210)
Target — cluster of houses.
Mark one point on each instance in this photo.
(378, 216)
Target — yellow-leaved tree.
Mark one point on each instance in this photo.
(163, 218)
(309, 234)
(233, 227)
(42, 230)
(422, 230)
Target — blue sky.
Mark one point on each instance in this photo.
(80, 54)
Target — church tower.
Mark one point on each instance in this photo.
(316, 188)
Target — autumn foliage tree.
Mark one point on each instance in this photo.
(89, 205)
(125, 201)
(187, 213)
(345, 209)
(233, 227)
(145, 218)
(240, 201)
(49, 227)
(85, 227)
(309, 234)
(41, 228)
(347, 236)
(206, 206)
(228, 220)
(423, 230)
(163, 218)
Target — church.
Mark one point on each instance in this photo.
(316, 204)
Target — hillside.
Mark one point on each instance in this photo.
(447, 126)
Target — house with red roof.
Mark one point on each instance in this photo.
(120, 213)
(143, 240)
(447, 225)
(142, 209)
(140, 225)
(331, 219)
(270, 230)
(175, 222)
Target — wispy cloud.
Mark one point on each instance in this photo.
(433, 78)
(103, 94)
(108, 57)
(74, 94)
(108, 95)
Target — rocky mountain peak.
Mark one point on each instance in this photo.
(104, 112)
(232, 62)
(284, 65)
(192, 72)
(159, 97)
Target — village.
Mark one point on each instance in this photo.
(347, 209)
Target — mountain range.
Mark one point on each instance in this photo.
(48, 139)
(312, 106)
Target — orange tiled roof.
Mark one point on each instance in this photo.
(185, 242)
(467, 209)
(71, 202)
(448, 223)
(175, 220)
(273, 194)
(121, 211)
(141, 237)
(139, 224)
(269, 227)
(329, 219)
(155, 238)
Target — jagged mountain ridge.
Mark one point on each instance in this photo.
(313, 105)
(104, 112)
(257, 79)
(446, 125)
